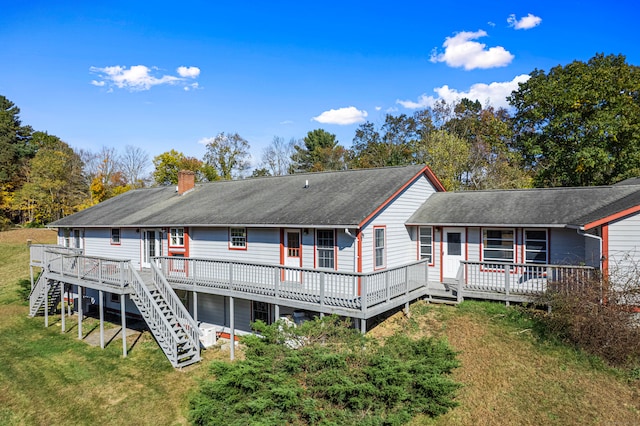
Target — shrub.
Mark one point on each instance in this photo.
(598, 317)
(324, 372)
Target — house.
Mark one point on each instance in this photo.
(214, 257)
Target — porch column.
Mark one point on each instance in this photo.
(363, 325)
(232, 324)
(124, 324)
(80, 312)
(277, 312)
(195, 306)
(62, 319)
(101, 311)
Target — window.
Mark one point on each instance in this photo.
(261, 312)
(115, 298)
(115, 235)
(426, 243)
(177, 237)
(379, 247)
(66, 237)
(238, 238)
(498, 245)
(76, 238)
(325, 248)
(535, 243)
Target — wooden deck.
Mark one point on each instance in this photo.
(357, 295)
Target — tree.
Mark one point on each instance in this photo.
(135, 162)
(448, 157)
(276, 158)
(579, 124)
(319, 151)
(228, 154)
(396, 143)
(492, 163)
(55, 185)
(15, 152)
(168, 164)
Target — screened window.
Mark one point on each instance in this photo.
(379, 247)
(76, 238)
(66, 237)
(426, 243)
(325, 248)
(115, 235)
(498, 245)
(177, 237)
(238, 238)
(536, 246)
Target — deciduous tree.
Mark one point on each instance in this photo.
(229, 155)
(579, 124)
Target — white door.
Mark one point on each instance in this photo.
(453, 243)
(292, 254)
(151, 246)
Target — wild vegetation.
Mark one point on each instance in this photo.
(511, 373)
(577, 125)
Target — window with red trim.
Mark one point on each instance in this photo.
(426, 243)
(325, 248)
(176, 237)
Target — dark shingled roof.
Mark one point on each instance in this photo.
(561, 207)
(343, 198)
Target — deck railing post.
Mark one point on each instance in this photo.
(230, 275)
(386, 286)
(276, 282)
(506, 283)
(363, 295)
(321, 290)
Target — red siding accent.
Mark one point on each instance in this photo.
(430, 176)
(605, 250)
(612, 217)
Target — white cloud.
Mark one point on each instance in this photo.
(190, 72)
(461, 51)
(286, 122)
(139, 77)
(205, 141)
(494, 94)
(524, 23)
(342, 116)
(378, 108)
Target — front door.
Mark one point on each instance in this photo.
(292, 254)
(151, 246)
(453, 240)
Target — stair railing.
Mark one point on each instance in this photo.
(158, 324)
(37, 295)
(183, 316)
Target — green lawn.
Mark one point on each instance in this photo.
(509, 377)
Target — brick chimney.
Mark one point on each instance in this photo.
(186, 181)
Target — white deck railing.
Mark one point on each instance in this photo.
(517, 278)
(320, 286)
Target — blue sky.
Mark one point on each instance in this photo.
(168, 75)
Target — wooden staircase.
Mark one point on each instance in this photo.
(44, 289)
(170, 323)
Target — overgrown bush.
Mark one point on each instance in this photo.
(598, 317)
(324, 372)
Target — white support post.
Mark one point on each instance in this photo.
(101, 311)
(232, 325)
(506, 283)
(62, 318)
(277, 312)
(46, 302)
(123, 316)
(363, 325)
(80, 312)
(195, 306)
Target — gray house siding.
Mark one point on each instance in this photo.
(262, 245)
(399, 247)
(624, 237)
(97, 242)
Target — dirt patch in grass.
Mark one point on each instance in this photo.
(36, 235)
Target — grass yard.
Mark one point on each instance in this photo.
(47, 377)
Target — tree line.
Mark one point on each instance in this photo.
(574, 125)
